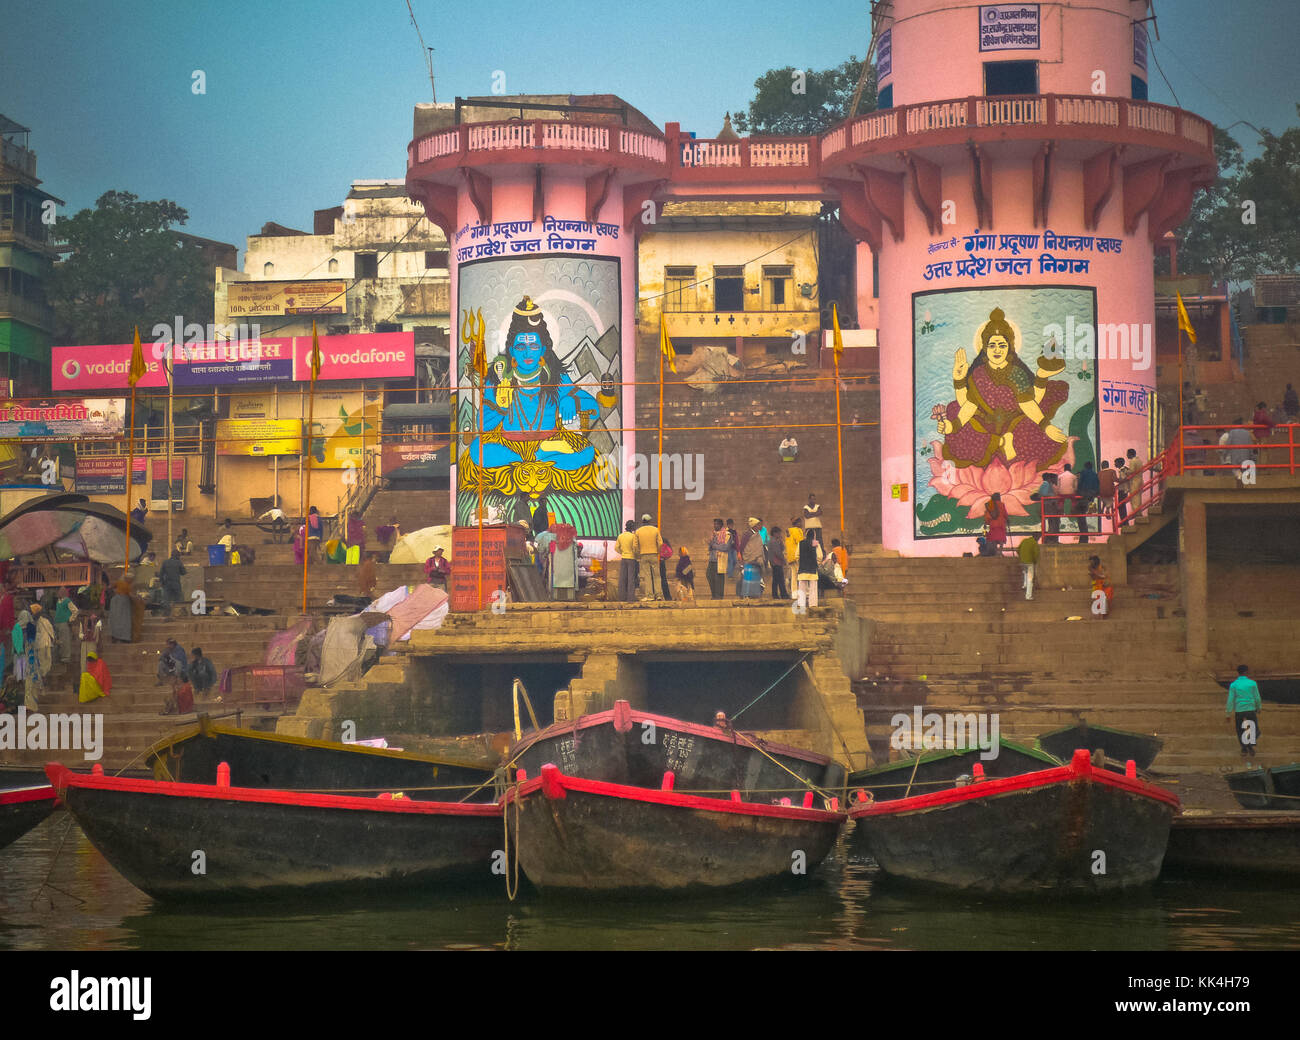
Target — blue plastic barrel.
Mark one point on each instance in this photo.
(216, 555)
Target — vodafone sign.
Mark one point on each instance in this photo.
(378, 355)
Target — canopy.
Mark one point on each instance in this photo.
(345, 645)
(418, 546)
(422, 607)
(73, 523)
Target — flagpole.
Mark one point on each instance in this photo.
(311, 417)
(171, 440)
(130, 472)
(659, 481)
(839, 440)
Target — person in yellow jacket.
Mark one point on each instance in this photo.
(626, 545)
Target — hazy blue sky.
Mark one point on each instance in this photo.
(305, 96)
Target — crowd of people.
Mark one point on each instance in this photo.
(50, 636)
(752, 561)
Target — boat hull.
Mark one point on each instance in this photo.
(23, 808)
(592, 836)
(1276, 788)
(196, 842)
(1120, 746)
(1039, 832)
(625, 746)
(272, 761)
(942, 768)
(1235, 842)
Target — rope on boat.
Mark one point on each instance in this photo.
(53, 863)
(797, 663)
(827, 795)
(512, 886)
(915, 766)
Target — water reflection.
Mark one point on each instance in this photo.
(57, 892)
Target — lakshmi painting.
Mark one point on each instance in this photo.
(995, 419)
(539, 408)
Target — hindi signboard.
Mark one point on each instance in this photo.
(85, 419)
(259, 437)
(245, 299)
(1009, 27)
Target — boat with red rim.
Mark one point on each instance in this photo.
(201, 841)
(628, 746)
(592, 835)
(1234, 842)
(1074, 828)
(22, 808)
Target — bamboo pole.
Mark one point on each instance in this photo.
(130, 472)
(659, 481)
(839, 440)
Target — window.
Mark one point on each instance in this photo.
(268, 269)
(778, 288)
(680, 290)
(1010, 77)
(1139, 88)
(728, 288)
(885, 98)
(333, 266)
(388, 326)
(367, 265)
(435, 258)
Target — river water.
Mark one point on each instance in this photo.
(58, 893)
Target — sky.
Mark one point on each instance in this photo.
(303, 97)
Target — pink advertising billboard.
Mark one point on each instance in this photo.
(380, 355)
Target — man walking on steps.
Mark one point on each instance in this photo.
(1244, 702)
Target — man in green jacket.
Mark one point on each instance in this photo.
(1243, 700)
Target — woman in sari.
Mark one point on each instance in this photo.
(1003, 408)
(995, 521)
(120, 627)
(95, 680)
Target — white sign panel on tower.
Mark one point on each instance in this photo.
(1009, 27)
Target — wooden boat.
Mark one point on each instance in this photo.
(941, 768)
(202, 841)
(270, 760)
(1234, 842)
(1274, 787)
(22, 808)
(1055, 830)
(1119, 745)
(627, 746)
(574, 833)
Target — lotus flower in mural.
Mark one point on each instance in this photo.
(972, 486)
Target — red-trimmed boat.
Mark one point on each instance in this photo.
(1074, 828)
(627, 746)
(575, 833)
(200, 841)
(22, 808)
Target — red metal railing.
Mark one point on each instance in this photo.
(1194, 450)
(268, 685)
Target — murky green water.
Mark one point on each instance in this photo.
(58, 893)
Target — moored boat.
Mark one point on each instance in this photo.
(200, 841)
(627, 746)
(591, 835)
(942, 768)
(1119, 745)
(1234, 842)
(22, 808)
(1073, 828)
(271, 760)
(1270, 787)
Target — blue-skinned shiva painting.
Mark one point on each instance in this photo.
(540, 405)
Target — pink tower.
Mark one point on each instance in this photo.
(1012, 183)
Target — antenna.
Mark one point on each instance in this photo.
(881, 11)
(428, 51)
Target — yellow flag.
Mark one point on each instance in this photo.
(315, 352)
(837, 341)
(665, 344)
(480, 344)
(1184, 322)
(137, 369)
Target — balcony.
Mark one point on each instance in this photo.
(520, 141)
(1058, 116)
(18, 158)
(19, 308)
(711, 324)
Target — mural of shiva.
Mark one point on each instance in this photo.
(1003, 408)
(531, 448)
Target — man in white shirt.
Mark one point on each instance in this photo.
(1067, 486)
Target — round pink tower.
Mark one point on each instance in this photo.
(1012, 182)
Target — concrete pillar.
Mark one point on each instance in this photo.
(1192, 566)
